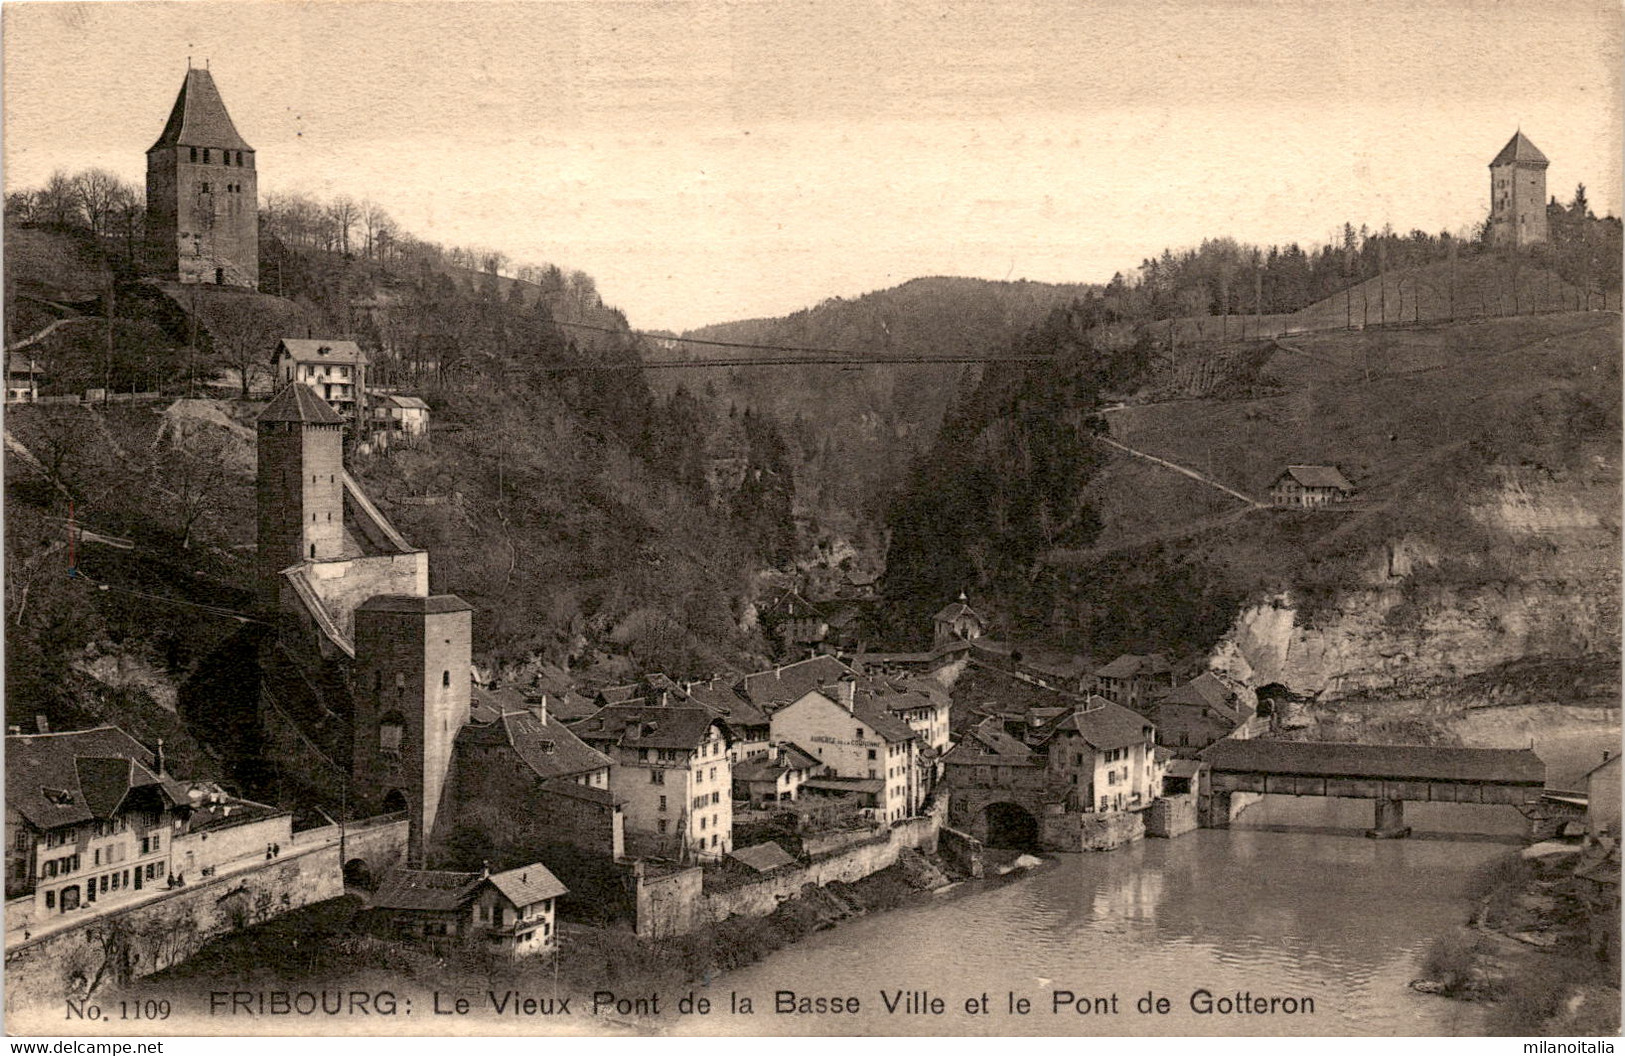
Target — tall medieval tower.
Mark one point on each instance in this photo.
(411, 693)
(299, 485)
(1518, 194)
(202, 192)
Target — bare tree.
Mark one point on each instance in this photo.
(99, 193)
(373, 221)
(344, 212)
(59, 201)
(244, 333)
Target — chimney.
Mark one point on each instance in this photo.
(847, 689)
(541, 710)
(158, 757)
(485, 870)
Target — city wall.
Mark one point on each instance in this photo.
(677, 903)
(1090, 832)
(1171, 816)
(163, 931)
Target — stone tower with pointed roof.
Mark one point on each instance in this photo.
(1518, 194)
(299, 484)
(202, 193)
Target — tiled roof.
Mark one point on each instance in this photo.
(763, 857)
(1318, 477)
(528, 884)
(771, 690)
(57, 779)
(990, 735)
(199, 117)
(1516, 766)
(955, 610)
(721, 698)
(1129, 666)
(1204, 691)
(298, 402)
(871, 785)
(1104, 725)
(641, 726)
(323, 350)
(425, 889)
(549, 749)
(1519, 149)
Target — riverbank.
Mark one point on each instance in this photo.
(597, 958)
(1530, 951)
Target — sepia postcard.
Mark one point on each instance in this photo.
(881, 517)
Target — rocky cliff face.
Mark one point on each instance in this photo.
(1534, 575)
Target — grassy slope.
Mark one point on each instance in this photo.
(1409, 415)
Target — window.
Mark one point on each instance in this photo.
(713, 841)
(445, 678)
(239, 157)
(205, 155)
(657, 777)
(662, 804)
(702, 823)
(713, 773)
(716, 797)
(871, 753)
(50, 900)
(662, 826)
(859, 734)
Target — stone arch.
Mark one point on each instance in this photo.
(396, 802)
(1010, 825)
(357, 873)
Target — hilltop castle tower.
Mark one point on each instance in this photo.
(202, 193)
(1518, 194)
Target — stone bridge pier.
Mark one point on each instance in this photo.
(1390, 821)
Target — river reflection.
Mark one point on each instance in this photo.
(1293, 901)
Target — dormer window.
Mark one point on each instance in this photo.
(239, 159)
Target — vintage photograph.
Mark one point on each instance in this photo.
(879, 517)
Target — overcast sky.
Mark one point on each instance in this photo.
(711, 161)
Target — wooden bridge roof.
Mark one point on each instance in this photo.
(1497, 766)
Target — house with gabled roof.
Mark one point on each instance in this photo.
(670, 770)
(957, 622)
(777, 778)
(1310, 486)
(333, 368)
(1102, 756)
(95, 822)
(850, 731)
(785, 684)
(1201, 711)
(523, 777)
(511, 912)
(1132, 679)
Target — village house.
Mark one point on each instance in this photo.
(671, 772)
(1132, 680)
(1310, 486)
(336, 370)
(93, 822)
(777, 779)
(510, 912)
(1200, 712)
(749, 725)
(395, 419)
(854, 735)
(1103, 756)
(785, 684)
(987, 756)
(22, 379)
(796, 624)
(957, 622)
(524, 778)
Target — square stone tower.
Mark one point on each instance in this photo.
(1518, 194)
(411, 694)
(299, 484)
(202, 193)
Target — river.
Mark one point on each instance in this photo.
(1294, 903)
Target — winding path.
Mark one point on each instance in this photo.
(1191, 473)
